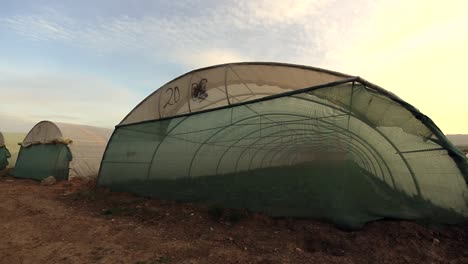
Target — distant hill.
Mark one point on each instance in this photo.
(458, 139)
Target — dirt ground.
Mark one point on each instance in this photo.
(71, 222)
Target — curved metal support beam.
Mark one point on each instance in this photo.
(253, 157)
(238, 121)
(247, 148)
(288, 152)
(330, 106)
(210, 137)
(413, 176)
(231, 146)
(362, 142)
(360, 154)
(355, 152)
(375, 151)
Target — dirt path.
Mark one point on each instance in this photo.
(70, 223)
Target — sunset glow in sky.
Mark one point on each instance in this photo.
(91, 62)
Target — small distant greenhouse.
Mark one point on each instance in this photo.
(4, 153)
(61, 150)
(288, 140)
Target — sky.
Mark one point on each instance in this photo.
(92, 61)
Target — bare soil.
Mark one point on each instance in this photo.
(71, 222)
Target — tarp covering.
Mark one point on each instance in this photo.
(40, 161)
(303, 142)
(86, 145)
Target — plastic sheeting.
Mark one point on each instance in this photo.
(87, 147)
(227, 84)
(288, 141)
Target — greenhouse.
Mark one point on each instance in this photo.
(61, 150)
(288, 140)
(4, 153)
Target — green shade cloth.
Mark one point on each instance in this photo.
(4, 155)
(86, 144)
(345, 150)
(42, 160)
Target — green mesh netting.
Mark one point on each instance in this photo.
(4, 155)
(42, 160)
(346, 151)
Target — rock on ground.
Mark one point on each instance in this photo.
(48, 181)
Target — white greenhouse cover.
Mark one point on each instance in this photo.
(227, 84)
(87, 147)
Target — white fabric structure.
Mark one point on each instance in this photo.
(227, 84)
(87, 146)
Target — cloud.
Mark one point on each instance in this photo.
(211, 57)
(273, 12)
(257, 30)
